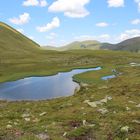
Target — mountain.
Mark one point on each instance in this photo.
(132, 45)
(78, 45)
(14, 43)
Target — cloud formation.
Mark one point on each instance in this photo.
(22, 19)
(41, 3)
(115, 3)
(102, 37)
(70, 8)
(136, 21)
(102, 24)
(55, 23)
(129, 34)
(138, 2)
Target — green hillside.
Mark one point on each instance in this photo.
(13, 42)
(78, 45)
(132, 45)
(89, 44)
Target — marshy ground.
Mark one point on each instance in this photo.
(101, 110)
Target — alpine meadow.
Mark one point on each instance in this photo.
(69, 70)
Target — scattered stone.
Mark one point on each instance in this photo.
(82, 108)
(65, 133)
(138, 105)
(103, 111)
(103, 87)
(35, 120)
(100, 102)
(136, 121)
(42, 114)
(25, 115)
(128, 109)
(9, 126)
(92, 104)
(125, 129)
(83, 85)
(84, 122)
(43, 136)
(132, 102)
(15, 123)
(27, 119)
(91, 125)
(114, 112)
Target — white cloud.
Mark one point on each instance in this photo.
(138, 2)
(41, 3)
(115, 3)
(129, 34)
(55, 23)
(71, 8)
(20, 30)
(102, 37)
(136, 21)
(102, 24)
(22, 19)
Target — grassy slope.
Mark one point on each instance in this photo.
(132, 45)
(11, 41)
(77, 45)
(65, 113)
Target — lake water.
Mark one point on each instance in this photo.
(41, 88)
(108, 77)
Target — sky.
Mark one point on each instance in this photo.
(59, 22)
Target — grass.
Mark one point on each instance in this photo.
(64, 114)
(71, 118)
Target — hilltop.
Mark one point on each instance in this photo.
(132, 45)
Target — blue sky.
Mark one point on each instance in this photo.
(58, 22)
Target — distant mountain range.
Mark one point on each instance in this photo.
(132, 45)
(14, 43)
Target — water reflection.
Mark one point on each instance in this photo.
(41, 88)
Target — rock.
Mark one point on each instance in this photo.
(132, 102)
(104, 100)
(36, 120)
(84, 122)
(91, 125)
(103, 111)
(136, 121)
(25, 115)
(82, 108)
(138, 105)
(15, 123)
(92, 104)
(27, 119)
(42, 114)
(9, 126)
(100, 102)
(43, 136)
(83, 85)
(125, 129)
(128, 109)
(65, 133)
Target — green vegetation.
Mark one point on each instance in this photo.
(115, 117)
(132, 45)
